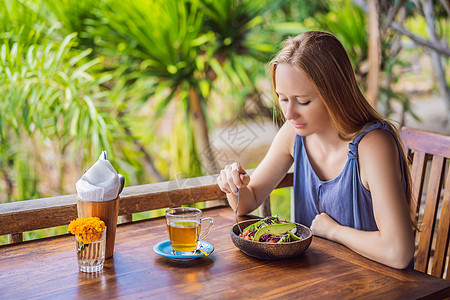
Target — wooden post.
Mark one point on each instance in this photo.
(15, 238)
(215, 203)
(292, 202)
(264, 210)
(125, 219)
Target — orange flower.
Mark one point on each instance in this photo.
(87, 230)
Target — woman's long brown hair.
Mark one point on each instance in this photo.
(323, 58)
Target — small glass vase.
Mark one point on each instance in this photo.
(91, 257)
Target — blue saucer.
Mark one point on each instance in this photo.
(163, 248)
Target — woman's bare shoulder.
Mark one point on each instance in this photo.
(378, 157)
(375, 141)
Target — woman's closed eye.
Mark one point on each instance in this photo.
(299, 102)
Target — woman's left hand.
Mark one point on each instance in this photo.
(323, 225)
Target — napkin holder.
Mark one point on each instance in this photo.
(108, 212)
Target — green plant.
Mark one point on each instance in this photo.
(77, 16)
(161, 43)
(48, 95)
(241, 48)
(345, 20)
(181, 48)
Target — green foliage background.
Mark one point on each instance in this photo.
(81, 76)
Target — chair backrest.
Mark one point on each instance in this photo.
(428, 154)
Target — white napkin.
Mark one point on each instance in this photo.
(99, 183)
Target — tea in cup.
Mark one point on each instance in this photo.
(184, 225)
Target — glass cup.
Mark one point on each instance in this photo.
(184, 225)
(91, 257)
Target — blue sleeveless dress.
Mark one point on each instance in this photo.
(344, 198)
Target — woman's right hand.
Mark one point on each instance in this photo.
(231, 178)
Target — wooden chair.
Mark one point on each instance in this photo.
(429, 156)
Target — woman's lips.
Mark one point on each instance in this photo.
(298, 126)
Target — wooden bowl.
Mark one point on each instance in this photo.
(270, 250)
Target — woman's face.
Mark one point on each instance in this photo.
(299, 101)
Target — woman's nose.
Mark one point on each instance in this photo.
(291, 112)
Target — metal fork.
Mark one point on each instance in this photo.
(237, 205)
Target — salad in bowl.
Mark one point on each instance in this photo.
(271, 230)
(271, 238)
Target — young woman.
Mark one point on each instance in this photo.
(351, 181)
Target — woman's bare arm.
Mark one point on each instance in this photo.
(393, 243)
(266, 176)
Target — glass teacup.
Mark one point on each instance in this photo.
(184, 225)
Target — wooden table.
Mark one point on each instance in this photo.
(48, 269)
